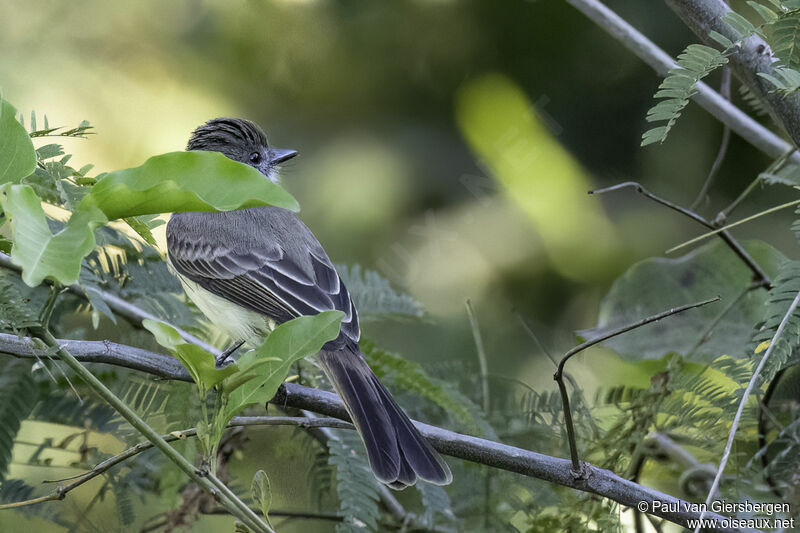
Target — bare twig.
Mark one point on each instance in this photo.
(725, 91)
(476, 333)
(710, 100)
(277, 513)
(734, 224)
(494, 454)
(558, 376)
(758, 273)
(745, 397)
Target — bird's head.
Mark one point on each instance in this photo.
(242, 141)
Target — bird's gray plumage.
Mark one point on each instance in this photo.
(263, 259)
(262, 266)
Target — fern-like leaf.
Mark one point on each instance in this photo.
(356, 486)
(373, 294)
(18, 394)
(785, 287)
(784, 38)
(438, 509)
(694, 64)
(410, 376)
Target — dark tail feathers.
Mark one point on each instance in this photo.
(397, 453)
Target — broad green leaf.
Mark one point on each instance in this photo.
(263, 370)
(657, 284)
(17, 156)
(185, 181)
(40, 253)
(262, 492)
(201, 365)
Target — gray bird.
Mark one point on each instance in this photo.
(251, 269)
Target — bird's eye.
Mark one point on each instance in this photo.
(255, 157)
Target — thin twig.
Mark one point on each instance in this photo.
(737, 223)
(558, 376)
(750, 386)
(278, 513)
(710, 100)
(774, 167)
(476, 334)
(725, 91)
(482, 451)
(758, 273)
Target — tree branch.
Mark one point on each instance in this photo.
(127, 310)
(556, 470)
(758, 273)
(747, 61)
(710, 100)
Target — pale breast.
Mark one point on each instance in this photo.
(240, 323)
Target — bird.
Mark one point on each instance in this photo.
(249, 270)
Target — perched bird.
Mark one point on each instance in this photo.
(251, 269)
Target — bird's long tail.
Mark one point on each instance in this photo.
(398, 453)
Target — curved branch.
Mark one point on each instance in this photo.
(710, 100)
(749, 60)
(759, 275)
(494, 454)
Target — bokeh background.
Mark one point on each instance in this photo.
(447, 144)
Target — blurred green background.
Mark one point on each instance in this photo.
(446, 144)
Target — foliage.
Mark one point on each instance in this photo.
(693, 366)
(703, 273)
(374, 296)
(17, 157)
(779, 25)
(694, 64)
(356, 487)
(785, 288)
(17, 396)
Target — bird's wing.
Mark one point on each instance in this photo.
(281, 274)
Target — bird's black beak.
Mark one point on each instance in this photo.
(279, 155)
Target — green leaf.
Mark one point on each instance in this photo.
(36, 250)
(262, 492)
(142, 229)
(185, 181)
(656, 284)
(263, 370)
(201, 365)
(695, 63)
(17, 156)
